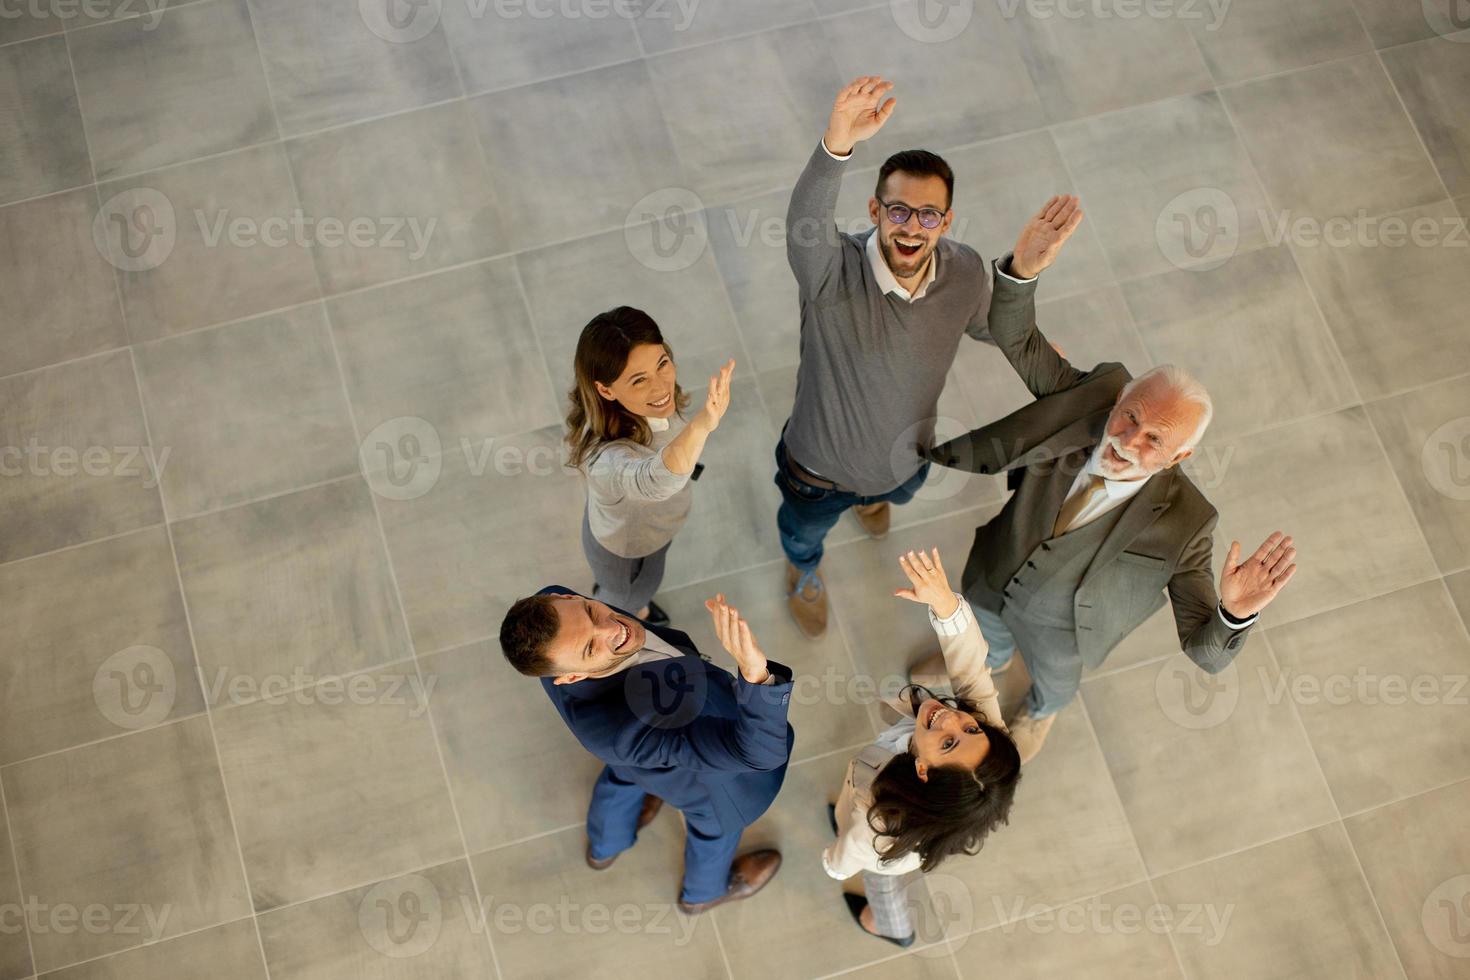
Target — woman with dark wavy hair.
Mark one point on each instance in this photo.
(936, 782)
(637, 466)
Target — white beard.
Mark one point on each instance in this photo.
(1110, 470)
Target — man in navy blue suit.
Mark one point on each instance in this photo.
(669, 726)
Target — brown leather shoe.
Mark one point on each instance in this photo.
(874, 518)
(809, 604)
(748, 875)
(651, 805)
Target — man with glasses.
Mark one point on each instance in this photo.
(881, 317)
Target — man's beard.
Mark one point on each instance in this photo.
(1132, 471)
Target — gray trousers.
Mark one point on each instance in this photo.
(888, 898)
(627, 583)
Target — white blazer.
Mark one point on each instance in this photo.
(857, 845)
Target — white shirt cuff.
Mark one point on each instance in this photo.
(956, 622)
(1238, 625)
(1000, 272)
(833, 155)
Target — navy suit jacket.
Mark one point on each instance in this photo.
(685, 730)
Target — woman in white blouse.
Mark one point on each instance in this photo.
(936, 782)
(637, 465)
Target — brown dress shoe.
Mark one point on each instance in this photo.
(651, 805)
(748, 875)
(808, 604)
(874, 518)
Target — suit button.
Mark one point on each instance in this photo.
(1045, 546)
(1030, 563)
(1016, 581)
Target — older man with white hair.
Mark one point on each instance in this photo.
(1102, 522)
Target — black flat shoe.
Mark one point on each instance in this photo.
(855, 905)
(832, 817)
(656, 616)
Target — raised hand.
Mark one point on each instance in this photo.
(717, 399)
(930, 583)
(1043, 236)
(1247, 587)
(858, 113)
(734, 635)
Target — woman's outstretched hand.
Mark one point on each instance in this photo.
(930, 583)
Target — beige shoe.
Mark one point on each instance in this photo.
(809, 605)
(874, 518)
(1029, 733)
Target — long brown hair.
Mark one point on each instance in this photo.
(957, 808)
(602, 355)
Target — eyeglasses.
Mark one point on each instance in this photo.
(899, 214)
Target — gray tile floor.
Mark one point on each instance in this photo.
(269, 483)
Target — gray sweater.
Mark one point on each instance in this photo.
(872, 364)
(635, 503)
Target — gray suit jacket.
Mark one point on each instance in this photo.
(1162, 540)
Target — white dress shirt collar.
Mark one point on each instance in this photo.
(887, 282)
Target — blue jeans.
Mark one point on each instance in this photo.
(1054, 680)
(807, 513)
(612, 827)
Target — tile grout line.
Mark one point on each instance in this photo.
(15, 864)
(1387, 460)
(403, 616)
(200, 679)
(1132, 834)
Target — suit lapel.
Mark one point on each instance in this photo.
(1138, 513)
(1072, 446)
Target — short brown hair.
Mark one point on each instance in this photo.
(526, 633)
